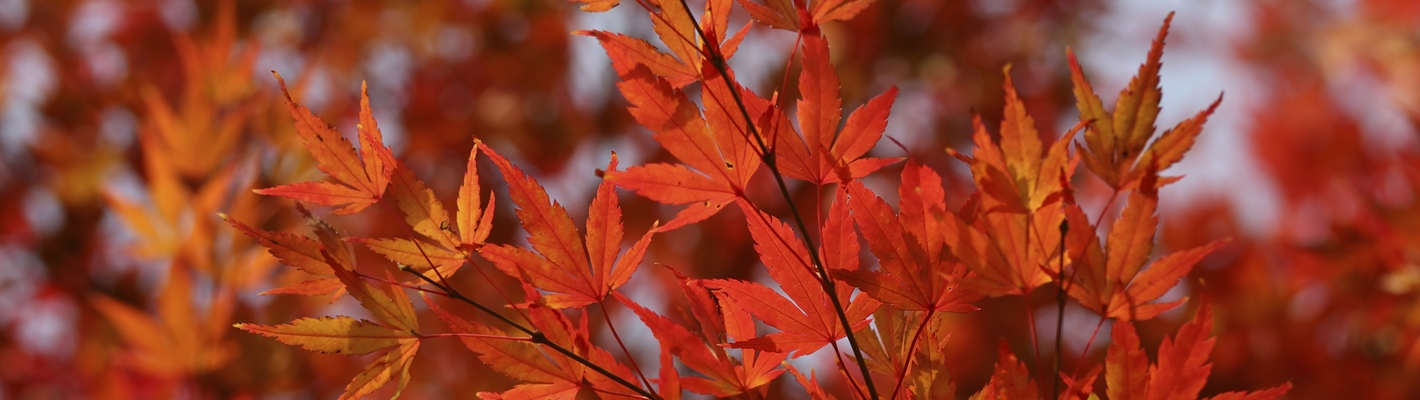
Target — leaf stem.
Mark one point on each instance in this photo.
(1030, 311)
(400, 284)
(475, 335)
(1030, 322)
(413, 238)
(1084, 354)
(717, 60)
(1099, 220)
(1060, 309)
(912, 352)
(617, 336)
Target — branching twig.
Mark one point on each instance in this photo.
(718, 61)
(534, 335)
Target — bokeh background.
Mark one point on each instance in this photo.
(127, 125)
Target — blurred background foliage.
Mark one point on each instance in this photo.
(126, 126)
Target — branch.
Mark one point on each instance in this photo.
(717, 59)
(535, 336)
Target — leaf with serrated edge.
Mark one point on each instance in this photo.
(393, 364)
(359, 181)
(580, 272)
(334, 335)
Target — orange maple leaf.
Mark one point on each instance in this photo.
(443, 243)
(1108, 281)
(1010, 381)
(300, 252)
(1181, 371)
(180, 339)
(318, 257)
(905, 346)
(396, 330)
(1116, 139)
(359, 179)
(1020, 175)
(598, 5)
(1008, 254)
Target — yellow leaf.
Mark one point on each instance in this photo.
(394, 363)
(334, 335)
(417, 255)
(394, 311)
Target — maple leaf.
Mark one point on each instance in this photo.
(1008, 254)
(1010, 380)
(1182, 368)
(359, 179)
(1108, 281)
(199, 135)
(180, 339)
(917, 271)
(905, 346)
(513, 356)
(334, 335)
(809, 321)
(721, 322)
(319, 257)
(810, 383)
(165, 223)
(1116, 139)
(678, 31)
(300, 252)
(396, 329)
(825, 154)
(598, 5)
(720, 155)
(724, 376)
(794, 17)
(580, 273)
(1020, 175)
(349, 336)
(552, 374)
(444, 243)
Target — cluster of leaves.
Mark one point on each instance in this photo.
(1021, 231)
(128, 126)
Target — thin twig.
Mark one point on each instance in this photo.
(536, 336)
(617, 336)
(400, 284)
(911, 353)
(717, 60)
(1060, 310)
(1030, 312)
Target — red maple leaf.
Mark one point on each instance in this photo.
(806, 319)
(918, 273)
(1181, 371)
(579, 272)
